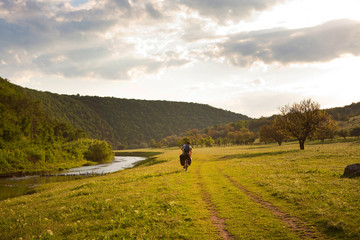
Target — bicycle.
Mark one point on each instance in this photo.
(186, 163)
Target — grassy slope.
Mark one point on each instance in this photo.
(155, 201)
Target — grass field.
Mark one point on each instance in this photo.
(242, 192)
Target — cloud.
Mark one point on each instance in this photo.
(321, 43)
(258, 103)
(258, 82)
(224, 10)
(198, 29)
(122, 3)
(121, 39)
(154, 13)
(56, 38)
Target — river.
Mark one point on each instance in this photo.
(18, 186)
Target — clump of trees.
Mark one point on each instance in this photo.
(355, 132)
(301, 121)
(272, 132)
(235, 133)
(343, 133)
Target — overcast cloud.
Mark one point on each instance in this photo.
(133, 41)
(228, 10)
(321, 43)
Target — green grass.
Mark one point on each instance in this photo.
(161, 201)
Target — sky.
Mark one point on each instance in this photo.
(246, 56)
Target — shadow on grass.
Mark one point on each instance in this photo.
(335, 229)
(349, 140)
(258, 154)
(138, 154)
(149, 161)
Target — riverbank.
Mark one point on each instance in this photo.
(22, 185)
(46, 169)
(49, 168)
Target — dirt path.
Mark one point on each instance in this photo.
(218, 222)
(301, 228)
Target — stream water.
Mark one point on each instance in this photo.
(13, 187)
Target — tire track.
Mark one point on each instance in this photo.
(300, 227)
(218, 222)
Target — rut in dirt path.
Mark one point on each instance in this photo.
(218, 222)
(300, 227)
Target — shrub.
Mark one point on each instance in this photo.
(99, 151)
(35, 155)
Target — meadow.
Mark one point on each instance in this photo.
(239, 192)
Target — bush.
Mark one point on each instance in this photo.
(11, 160)
(99, 151)
(36, 155)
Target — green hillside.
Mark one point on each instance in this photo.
(32, 141)
(129, 122)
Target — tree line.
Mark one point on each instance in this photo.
(30, 140)
(129, 123)
(234, 133)
(298, 121)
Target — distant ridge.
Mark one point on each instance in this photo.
(346, 112)
(129, 122)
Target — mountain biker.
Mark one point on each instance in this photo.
(187, 152)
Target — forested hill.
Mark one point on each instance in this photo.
(129, 122)
(346, 112)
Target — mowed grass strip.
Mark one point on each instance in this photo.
(156, 202)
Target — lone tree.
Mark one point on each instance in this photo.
(302, 120)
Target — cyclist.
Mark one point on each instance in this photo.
(187, 152)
